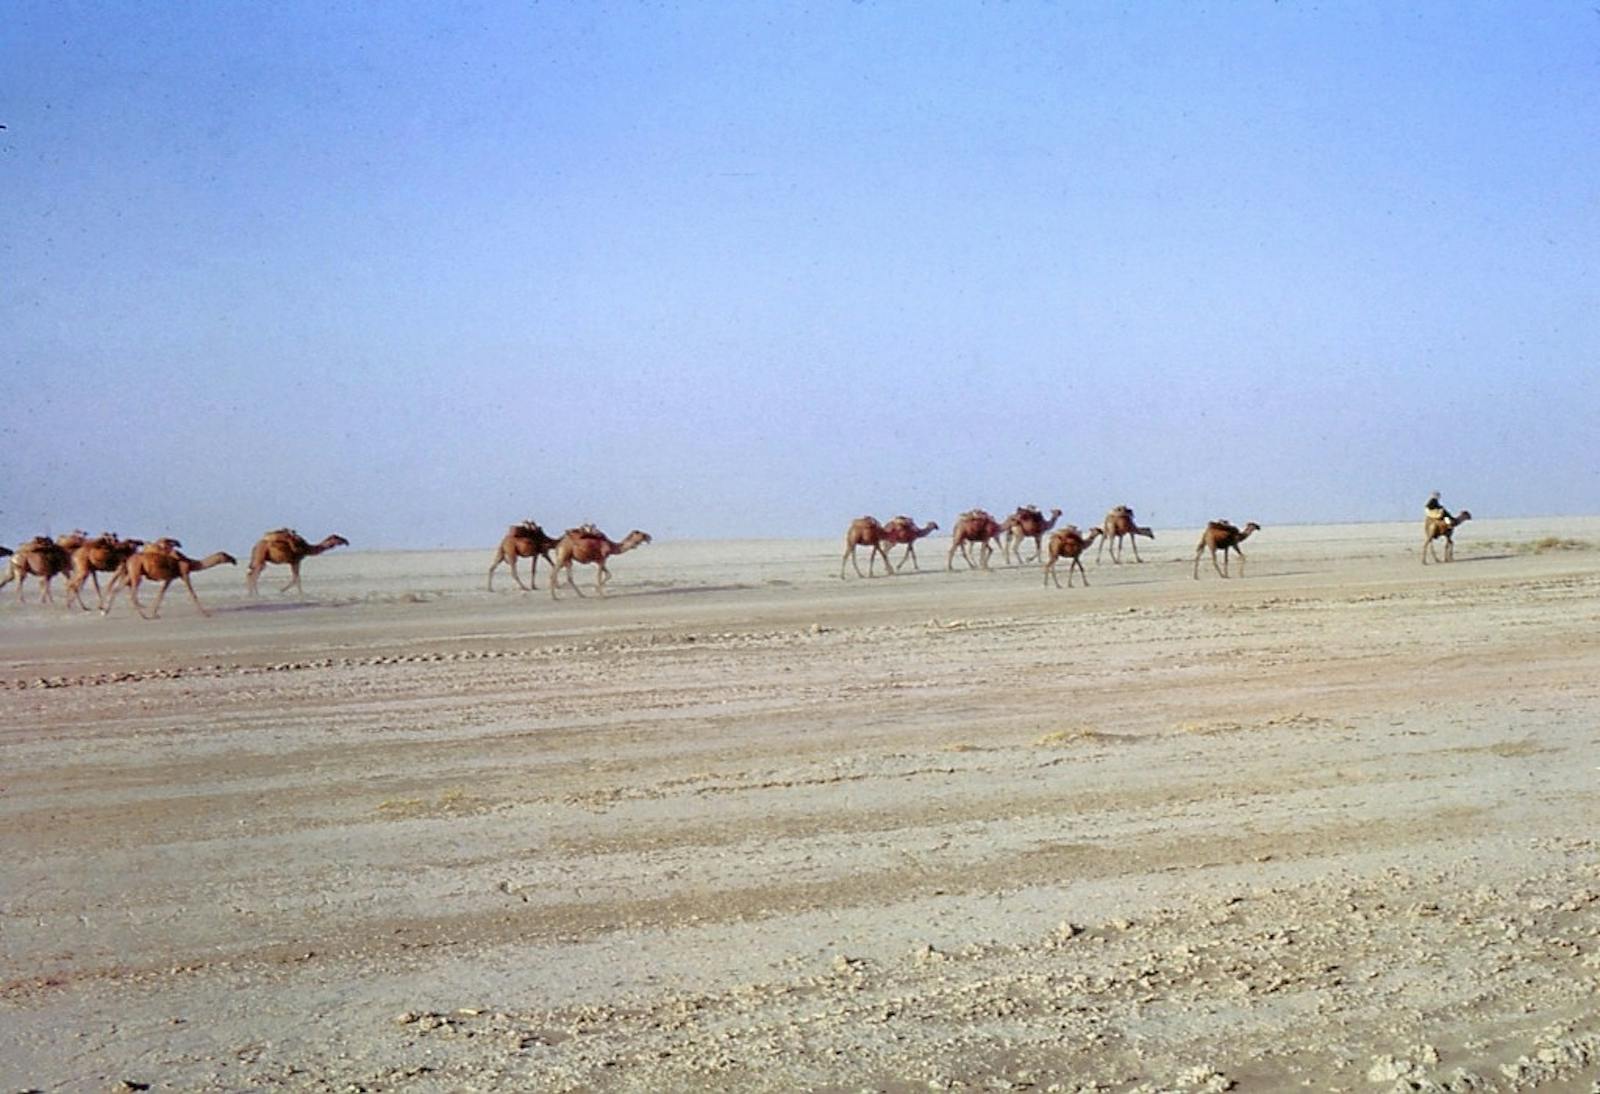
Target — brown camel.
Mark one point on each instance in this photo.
(1224, 536)
(865, 532)
(1441, 527)
(589, 545)
(1069, 543)
(1027, 523)
(525, 540)
(160, 561)
(104, 554)
(973, 526)
(40, 557)
(1120, 522)
(286, 547)
(904, 530)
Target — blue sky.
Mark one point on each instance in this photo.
(412, 273)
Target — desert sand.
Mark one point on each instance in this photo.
(743, 825)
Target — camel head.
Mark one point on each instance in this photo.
(634, 539)
(1462, 517)
(336, 541)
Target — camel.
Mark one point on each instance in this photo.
(160, 561)
(904, 530)
(525, 540)
(1120, 522)
(286, 547)
(1069, 543)
(1027, 523)
(1441, 527)
(973, 526)
(865, 532)
(104, 554)
(1224, 536)
(589, 545)
(40, 557)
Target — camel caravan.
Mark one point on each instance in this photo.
(130, 562)
(584, 544)
(80, 559)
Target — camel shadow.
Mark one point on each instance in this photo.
(682, 590)
(267, 608)
(1481, 558)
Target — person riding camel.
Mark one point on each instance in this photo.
(1435, 508)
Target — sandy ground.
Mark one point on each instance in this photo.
(745, 826)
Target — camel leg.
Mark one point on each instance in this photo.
(133, 594)
(1223, 569)
(849, 556)
(1050, 574)
(1427, 542)
(192, 595)
(888, 567)
(950, 559)
(985, 555)
(1133, 541)
(118, 580)
(555, 582)
(517, 578)
(1077, 565)
(111, 587)
(573, 582)
(1241, 560)
(602, 575)
(1198, 551)
(533, 572)
(294, 579)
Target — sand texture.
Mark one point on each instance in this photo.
(745, 826)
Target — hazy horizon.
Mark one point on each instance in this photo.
(412, 274)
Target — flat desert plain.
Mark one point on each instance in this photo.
(745, 826)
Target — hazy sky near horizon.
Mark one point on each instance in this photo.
(413, 272)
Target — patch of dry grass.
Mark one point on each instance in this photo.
(454, 802)
(1072, 735)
